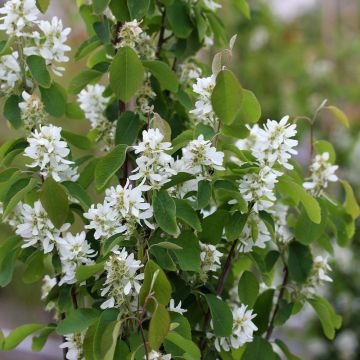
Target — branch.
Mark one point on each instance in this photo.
(277, 306)
(161, 35)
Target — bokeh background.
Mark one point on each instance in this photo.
(292, 54)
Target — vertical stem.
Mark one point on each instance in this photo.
(161, 35)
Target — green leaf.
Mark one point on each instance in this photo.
(259, 349)
(8, 255)
(185, 344)
(42, 5)
(35, 268)
(84, 78)
(19, 334)
(77, 321)
(120, 10)
(84, 272)
(248, 288)
(108, 165)
(54, 199)
(80, 141)
(165, 212)
(235, 225)
(330, 321)
(53, 99)
(351, 205)
(127, 128)
(226, 97)
(159, 326)
(161, 286)
(339, 115)
(250, 107)
(221, 315)
(73, 111)
(179, 19)
(38, 70)
(78, 192)
(39, 341)
(300, 262)
(163, 73)
(189, 256)
(126, 74)
(18, 190)
(138, 8)
(99, 6)
(158, 122)
(285, 350)
(87, 47)
(262, 309)
(243, 6)
(12, 111)
(186, 213)
(204, 194)
(213, 226)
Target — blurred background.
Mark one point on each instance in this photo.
(292, 54)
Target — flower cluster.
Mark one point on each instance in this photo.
(243, 330)
(32, 111)
(272, 147)
(74, 250)
(122, 209)
(10, 72)
(37, 229)
(144, 96)
(210, 258)
(203, 111)
(155, 355)
(322, 172)
(123, 282)
(74, 345)
(281, 229)
(154, 165)
(317, 276)
(189, 72)
(49, 153)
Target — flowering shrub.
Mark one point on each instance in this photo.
(206, 234)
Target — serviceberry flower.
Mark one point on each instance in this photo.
(10, 72)
(212, 5)
(74, 250)
(32, 111)
(189, 72)
(123, 282)
(50, 44)
(203, 111)
(47, 284)
(254, 234)
(17, 14)
(37, 228)
(322, 172)
(282, 232)
(154, 165)
(178, 309)
(243, 330)
(74, 345)
(155, 355)
(200, 154)
(210, 257)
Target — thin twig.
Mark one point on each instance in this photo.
(73, 297)
(161, 40)
(277, 306)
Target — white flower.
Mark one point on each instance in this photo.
(282, 232)
(322, 172)
(10, 72)
(47, 284)
(74, 345)
(49, 153)
(122, 280)
(254, 234)
(210, 257)
(154, 166)
(74, 250)
(212, 5)
(317, 276)
(93, 103)
(189, 72)
(203, 111)
(144, 96)
(243, 330)
(155, 355)
(37, 228)
(103, 221)
(200, 153)
(17, 14)
(177, 308)
(50, 44)
(258, 188)
(32, 111)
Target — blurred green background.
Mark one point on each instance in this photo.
(292, 54)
